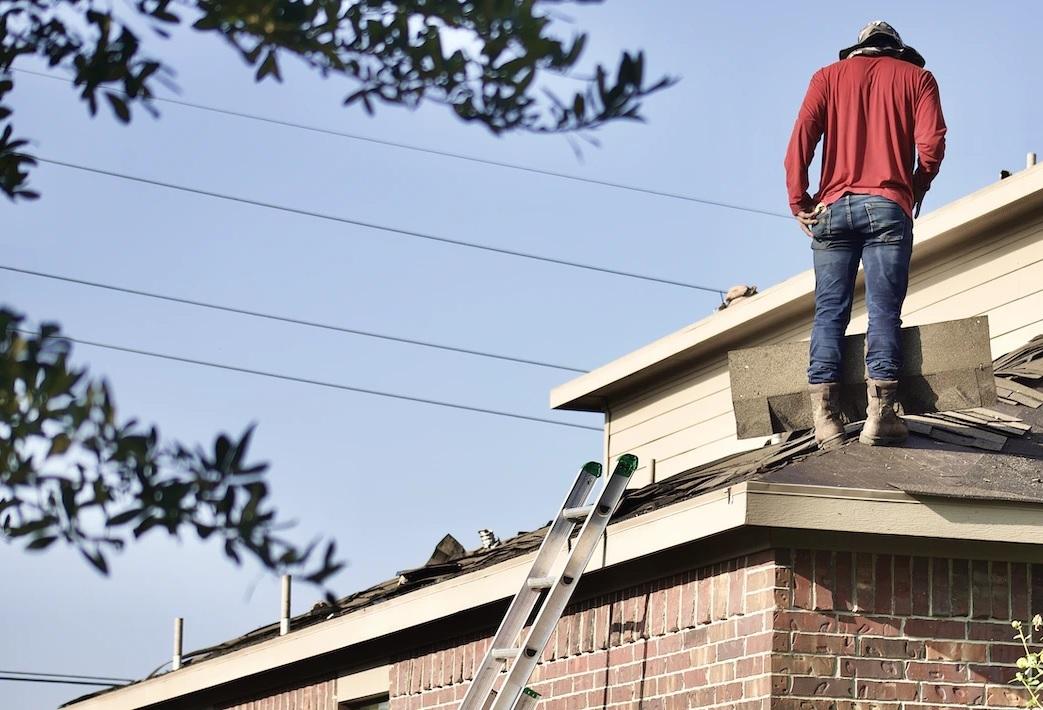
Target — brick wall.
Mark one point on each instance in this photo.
(314, 696)
(785, 630)
(892, 632)
(700, 639)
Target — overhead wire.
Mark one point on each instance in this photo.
(444, 153)
(66, 675)
(317, 383)
(287, 319)
(372, 225)
(59, 680)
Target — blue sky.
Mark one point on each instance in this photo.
(387, 479)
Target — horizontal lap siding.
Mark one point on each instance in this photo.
(688, 421)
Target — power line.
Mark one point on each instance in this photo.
(445, 153)
(287, 319)
(56, 680)
(85, 678)
(379, 227)
(317, 383)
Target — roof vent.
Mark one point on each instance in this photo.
(488, 538)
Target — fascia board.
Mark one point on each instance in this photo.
(892, 513)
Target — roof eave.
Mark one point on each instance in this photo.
(789, 506)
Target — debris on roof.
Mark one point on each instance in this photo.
(1018, 372)
(736, 294)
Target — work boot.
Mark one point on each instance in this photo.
(825, 410)
(883, 425)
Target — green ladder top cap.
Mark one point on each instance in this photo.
(626, 465)
(531, 693)
(592, 468)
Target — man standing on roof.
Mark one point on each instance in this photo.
(875, 110)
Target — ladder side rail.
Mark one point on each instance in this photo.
(558, 597)
(525, 600)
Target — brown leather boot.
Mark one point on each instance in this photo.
(883, 425)
(825, 410)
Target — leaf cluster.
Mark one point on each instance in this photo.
(391, 52)
(71, 472)
(1030, 666)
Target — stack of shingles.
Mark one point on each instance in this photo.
(1024, 364)
(978, 428)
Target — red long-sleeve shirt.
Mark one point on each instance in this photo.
(875, 115)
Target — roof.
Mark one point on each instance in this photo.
(993, 454)
(969, 217)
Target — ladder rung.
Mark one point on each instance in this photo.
(576, 514)
(506, 654)
(537, 583)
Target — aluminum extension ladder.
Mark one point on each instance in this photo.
(558, 580)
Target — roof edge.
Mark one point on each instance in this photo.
(753, 503)
(954, 222)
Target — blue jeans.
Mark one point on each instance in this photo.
(877, 231)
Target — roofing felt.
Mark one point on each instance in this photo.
(993, 454)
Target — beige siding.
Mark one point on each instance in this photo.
(687, 420)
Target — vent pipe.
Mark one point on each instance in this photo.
(179, 627)
(284, 609)
(488, 538)
(1030, 160)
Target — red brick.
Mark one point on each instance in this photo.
(1019, 591)
(807, 621)
(990, 631)
(833, 644)
(844, 581)
(1005, 697)
(872, 668)
(1000, 580)
(936, 628)
(1005, 653)
(981, 590)
(903, 601)
(688, 601)
(824, 580)
(991, 674)
(961, 695)
(615, 626)
(941, 604)
(827, 687)
(673, 608)
(886, 690)
(736, 589)
(956, 651)
(720, 592)
(760, 643)
(864, 581)
(602, 617)
(800, 664)
(884, 595)
(937, 672)
(657, 612)
(803, 579)
(870, 647)
(961, 588)
(873, 625)
(730, 649)
(921, 586)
